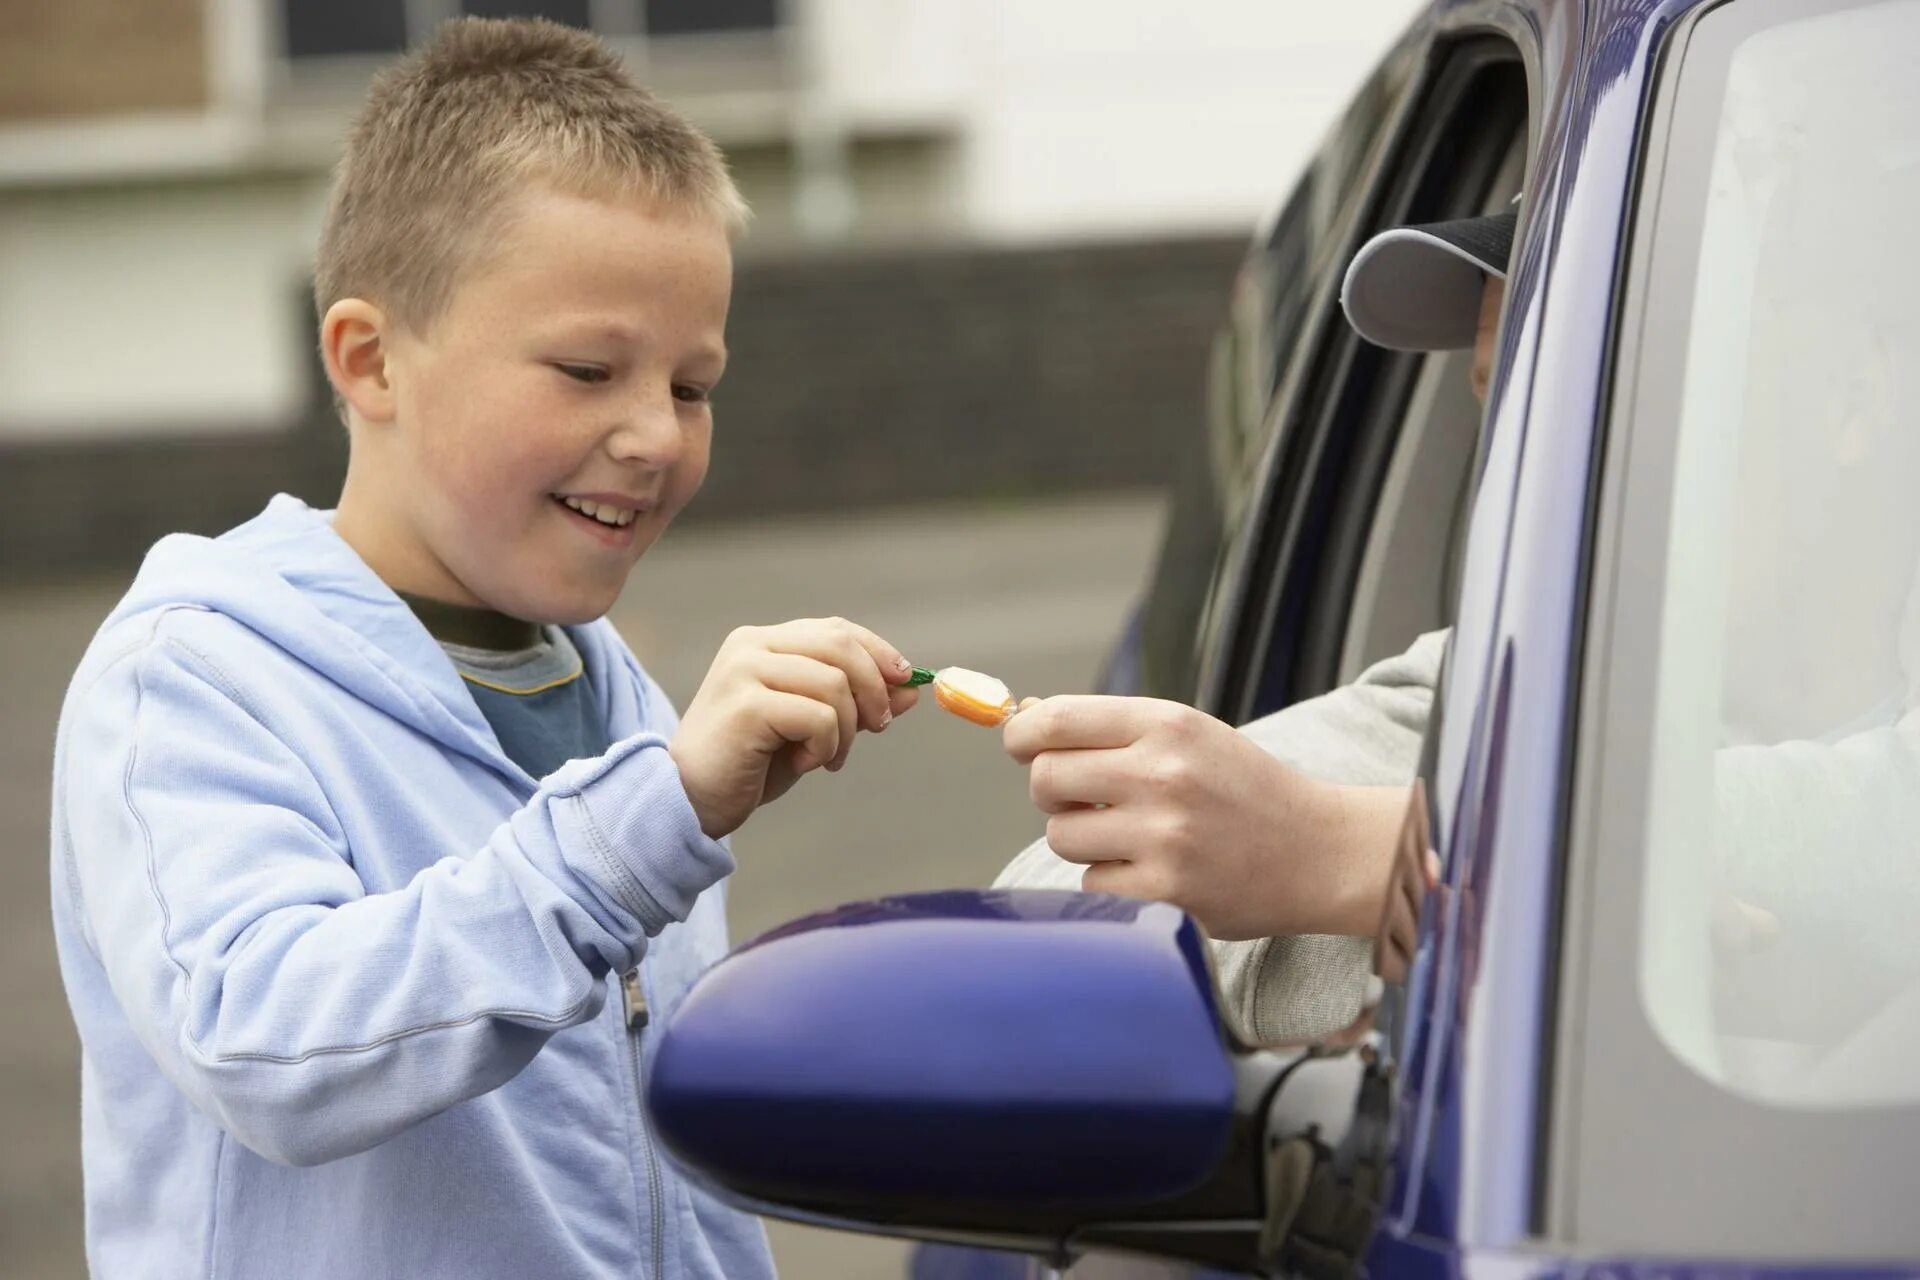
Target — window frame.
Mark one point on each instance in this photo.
(1816, 1183)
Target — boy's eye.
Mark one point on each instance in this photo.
(589, 373)
(689, 393)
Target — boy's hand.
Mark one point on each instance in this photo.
(1165, 802)
(779, 702)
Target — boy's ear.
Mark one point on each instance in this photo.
(355, 339)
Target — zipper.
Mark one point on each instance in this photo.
(634, 997)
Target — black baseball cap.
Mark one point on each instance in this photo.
(1418, 288)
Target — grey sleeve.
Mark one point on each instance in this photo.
(1367, 733)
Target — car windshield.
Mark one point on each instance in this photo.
(1782, 895)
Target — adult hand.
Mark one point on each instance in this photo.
(1414, 877)
(779, 702)
(1161, 801)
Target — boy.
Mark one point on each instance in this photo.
(337, 919)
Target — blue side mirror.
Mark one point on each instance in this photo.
(983, 1047)
(1037, 1070)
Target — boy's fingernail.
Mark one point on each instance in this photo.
(886, 718)
(902, 666)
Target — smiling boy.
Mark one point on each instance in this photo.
(374, 847)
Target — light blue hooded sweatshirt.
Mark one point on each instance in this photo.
(341, 969)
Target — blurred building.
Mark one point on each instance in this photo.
(1063, 172)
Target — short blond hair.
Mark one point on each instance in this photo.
(486, 106)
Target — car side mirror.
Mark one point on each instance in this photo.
(1008, 1067)
(1041, 1071)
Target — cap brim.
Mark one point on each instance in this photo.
(1418, 288)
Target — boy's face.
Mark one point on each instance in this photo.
(571, 366)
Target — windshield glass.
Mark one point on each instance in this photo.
(1781, 908)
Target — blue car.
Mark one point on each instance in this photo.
(1664, 1013)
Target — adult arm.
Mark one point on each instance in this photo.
(1365, 734)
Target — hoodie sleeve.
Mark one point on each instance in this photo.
(311, 1018)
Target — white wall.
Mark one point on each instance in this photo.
(160, 305)
(1112, 117)
(141, 309)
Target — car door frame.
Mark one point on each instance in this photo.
(1484, 996)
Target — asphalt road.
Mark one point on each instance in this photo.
(1031, 594)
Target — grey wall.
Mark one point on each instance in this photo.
(856, 380)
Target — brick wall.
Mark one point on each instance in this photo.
(66, 58)
(855, 380)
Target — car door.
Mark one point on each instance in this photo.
(1657, 1017)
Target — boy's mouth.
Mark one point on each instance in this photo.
(612, 515)
(609, 523)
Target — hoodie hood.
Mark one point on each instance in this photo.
(286, 575)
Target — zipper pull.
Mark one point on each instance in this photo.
(635, 997)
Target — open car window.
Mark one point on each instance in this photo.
(1274, 319)
(1378, 445)
(1408, 573)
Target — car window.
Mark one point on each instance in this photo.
(1786, 748)
(1297, 260)
(1408, 572)
(1339, 579)
(1748, 1007)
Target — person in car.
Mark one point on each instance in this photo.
(1154, 799)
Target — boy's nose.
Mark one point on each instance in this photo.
(649, 432)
